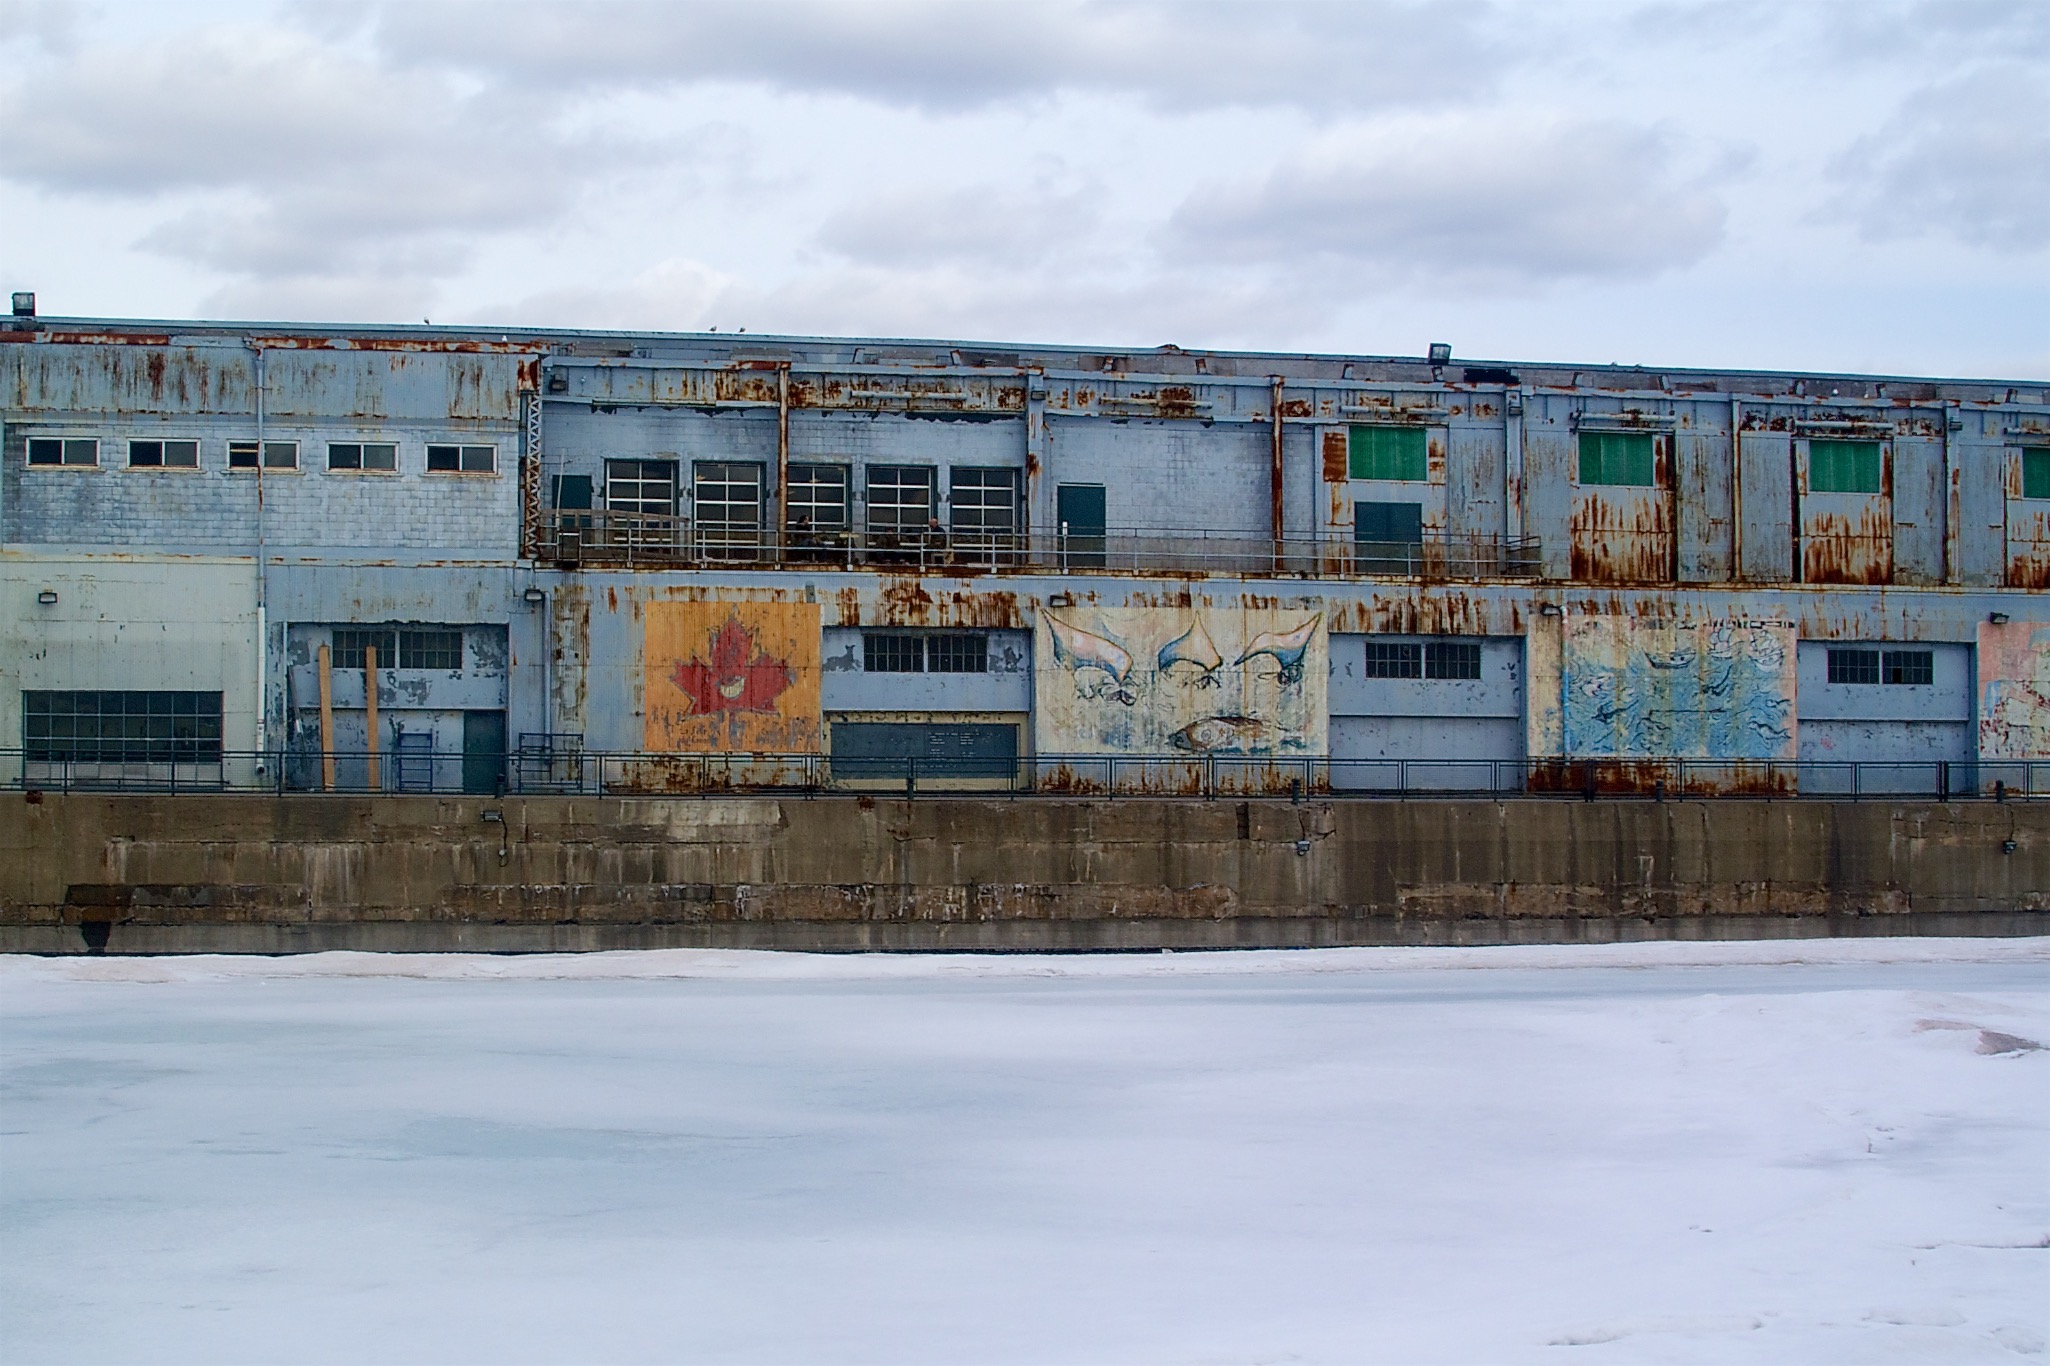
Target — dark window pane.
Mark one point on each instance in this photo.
(817, 498)
(122, 727)
(45, 450)
(573, 491)
(1910, 666)
(887, 653)
(444, 459)
(349, 644)
(380, 456)
(1394, 659)
(344, 455)
(951, 654)
(431, 650)
(480, 459)
(900, 499)
(182, 454)
(2036, 474)
(1853, 666)
(145, 453)
(1452, 659)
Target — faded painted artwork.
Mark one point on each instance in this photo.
(1717, 690)
(726, 677)
(1195, 681)
(2014, 690)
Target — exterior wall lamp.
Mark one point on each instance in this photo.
(1998, 618)
(534, 597)
(48, 597)
(1550, 609)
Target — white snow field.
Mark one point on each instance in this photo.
(1788, 1152)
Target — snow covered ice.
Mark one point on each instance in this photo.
(1793, 1152)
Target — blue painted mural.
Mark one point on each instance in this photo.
(1635, 689)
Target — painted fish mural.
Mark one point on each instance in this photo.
(1231, 734)
(1719, 689)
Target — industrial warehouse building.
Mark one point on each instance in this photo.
(437, 559)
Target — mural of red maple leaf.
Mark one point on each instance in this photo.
(738, 677)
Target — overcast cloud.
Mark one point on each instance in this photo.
(1709, 183)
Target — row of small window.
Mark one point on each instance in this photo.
(121, 727)
(1442, 659)
(152, 453)
(1914, 668)
(902, 652)
(1630, 459)
(415, 649)
(730, 494)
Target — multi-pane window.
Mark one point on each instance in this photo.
(421, 648)
(153, 454)
(462, 459)
(121, 727)
(1844, 466)
(1394, 659)
(1908, 667)
(983, 503)
(1455, 659)
(817, 498)
(888, 652)
(277, 455)
(727, 502)
(1388, 453)
(1625, 458)
(900, 499)
(63, 450)
(362, 455)
(2036, 473)
(643, 486)
(904, 652)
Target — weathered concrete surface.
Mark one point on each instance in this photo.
(254, 874)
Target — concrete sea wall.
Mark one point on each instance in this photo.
(140, 874)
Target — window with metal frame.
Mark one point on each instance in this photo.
(462, 459)
(431, 649)
(347, 644)
(277, 455)
(899, 498)
(1452, 659)
(375, 456)
(817, 497)
(63, 450)
(957, 653)
(1844, 466)
(155, 454)
(1399, 453)
(1848, 665)
(891, 652)
(2036, 473)
(643, 486)
(1627, 459)
(1394, 659)
(121, 727)
(726, 502)
(1913, 668)
(983, 503)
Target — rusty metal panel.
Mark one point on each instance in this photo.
(1473, 481)
(1979, 470)
(1705, 513)
(1847, 537)
(1548, 479)
(156, 380)
(1622, 534)
(2028, 528)
(1766, 520)
(1918, 510)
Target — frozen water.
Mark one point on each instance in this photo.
(1646, 1153)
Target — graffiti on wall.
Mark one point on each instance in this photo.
(1716, 690)
(724, 677)
(2014, 690)
(1196, 681)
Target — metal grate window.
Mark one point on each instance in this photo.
(362, 455)
(122, 727)
(957, 654)
(892, 653)
(1844, 466)
(1911, 667)
(1629, 459)
(66, 450)
(1452, 659)
(153, 454)
(1388, 453)
(1853, 666)
(462, 459)
(277, 455)
(900, 499)
(1394, 659)
(817, 497)
(347, 645)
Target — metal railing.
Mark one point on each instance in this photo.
(633, 539)
(568, 769)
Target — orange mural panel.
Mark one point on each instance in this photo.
(725, 677)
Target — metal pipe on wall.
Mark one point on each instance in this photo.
(370, 707)
(1275, 485)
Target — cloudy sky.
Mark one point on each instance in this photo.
(1858, 186)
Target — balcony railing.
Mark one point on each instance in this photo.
(636, 540)
(561, 767)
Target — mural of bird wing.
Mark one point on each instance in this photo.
(1193, 646)
(1286, 646)
(1080, 649)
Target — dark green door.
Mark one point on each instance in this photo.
(483, 750)
(1078, 510)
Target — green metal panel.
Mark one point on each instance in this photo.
(2036, 474)
(1843, 467)
(1387, 453)
(1621, 458)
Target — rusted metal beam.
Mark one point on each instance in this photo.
(1276, 486)
(783, 446)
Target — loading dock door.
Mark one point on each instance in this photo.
(931, 750)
